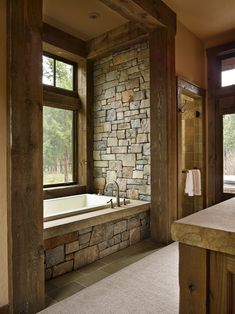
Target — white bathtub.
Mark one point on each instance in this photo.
(73, 205)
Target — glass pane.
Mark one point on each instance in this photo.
(229, 152)
(57, 146)
(228, 72)
(64, 75)
(48, 70)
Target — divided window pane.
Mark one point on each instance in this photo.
(58, 73)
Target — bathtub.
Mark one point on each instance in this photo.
(73, 205)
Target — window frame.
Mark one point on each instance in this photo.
(220, 59)
(75, 76)
(56, 97)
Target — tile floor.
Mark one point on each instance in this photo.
(66, 285)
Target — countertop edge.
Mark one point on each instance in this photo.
(204, 237)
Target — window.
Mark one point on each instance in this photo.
(58, 73)
(229, 153)
(228, 71)
(59, 122)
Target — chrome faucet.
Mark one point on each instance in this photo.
(117, 188)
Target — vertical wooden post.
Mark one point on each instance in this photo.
(26, 254)
(85, 124)
(163, 133)
(193, 279)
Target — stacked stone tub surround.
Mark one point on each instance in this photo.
(122, 153)
(122, 122)
(71, 243)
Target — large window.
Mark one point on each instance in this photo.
(229, 153)
(59, 122)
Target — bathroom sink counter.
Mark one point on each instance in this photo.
(212, 228)
(207, 260)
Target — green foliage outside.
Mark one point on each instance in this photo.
(57, 129)
(229, 144)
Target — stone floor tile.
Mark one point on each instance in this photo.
(66, 291)
(91, 278)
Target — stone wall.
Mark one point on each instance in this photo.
(122, 122)
(74, 250)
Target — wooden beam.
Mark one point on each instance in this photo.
(65, 41)
(163, 132)
(119, 38)
(149, 14)
(25, 200)
(53, 99)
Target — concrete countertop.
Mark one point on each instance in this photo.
(212, 228)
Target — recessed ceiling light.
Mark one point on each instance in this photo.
(93, 15)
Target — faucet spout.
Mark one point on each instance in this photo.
(118, 191)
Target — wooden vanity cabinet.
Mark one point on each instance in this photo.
(207, 281)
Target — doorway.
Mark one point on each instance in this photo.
(191, 115)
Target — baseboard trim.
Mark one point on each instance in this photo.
(4, 309)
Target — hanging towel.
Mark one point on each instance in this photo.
(197, 185)
(189, 183)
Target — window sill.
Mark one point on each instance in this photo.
(62, 191)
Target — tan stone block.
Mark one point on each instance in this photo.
(101, 164)
(120, 226)
(111, 176)
(124, 57)
(142, 138)
(109, 250)
(134, 235)
(55, 256)
(127, 172)
(125, 235)
(133, 222)
(62, 268)
(84, 238)
(127, 95)
(128, 160)
(133, 194)
(98, 234)
(138, 174)
(71, 247)
(86, 256)
(122, 184)
(69, 257)
(112, 141)
(115, 165)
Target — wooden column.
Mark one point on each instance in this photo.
(26, 254)
(163, 133)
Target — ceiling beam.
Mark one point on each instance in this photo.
(149, 14)
(119, 38)
(65, 41)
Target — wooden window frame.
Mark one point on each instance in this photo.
(216, 95)
(56, 97)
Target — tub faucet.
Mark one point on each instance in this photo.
(117, 188)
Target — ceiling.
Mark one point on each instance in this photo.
(72, 16)
(205, 18)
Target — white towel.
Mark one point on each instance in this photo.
(189, 183)
(197, 186)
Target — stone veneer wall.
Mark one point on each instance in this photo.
(122, 122)
(73, 250)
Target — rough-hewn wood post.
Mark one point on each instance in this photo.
(26, 255)
(163, 133)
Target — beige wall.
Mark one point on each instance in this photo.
(3, 160)
(190, 56)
